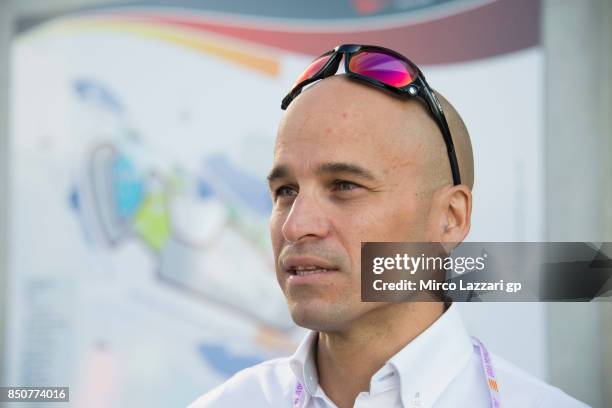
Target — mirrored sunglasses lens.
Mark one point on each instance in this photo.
(313, 68)
(383, 67)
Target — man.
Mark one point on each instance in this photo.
(353, 163)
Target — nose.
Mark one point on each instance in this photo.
(306, 219)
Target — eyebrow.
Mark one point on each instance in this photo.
(282, 171)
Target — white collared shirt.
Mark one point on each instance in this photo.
(440, 368)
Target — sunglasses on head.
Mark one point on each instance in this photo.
(382, 68)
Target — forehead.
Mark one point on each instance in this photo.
(338, 120)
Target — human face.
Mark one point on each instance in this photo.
(344, 172)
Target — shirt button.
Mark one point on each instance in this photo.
(416, 401)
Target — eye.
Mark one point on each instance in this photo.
(343, 185)
(284, 191)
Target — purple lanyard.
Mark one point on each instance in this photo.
(297, 396)
(487, 367)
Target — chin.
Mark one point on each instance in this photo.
(320, 317)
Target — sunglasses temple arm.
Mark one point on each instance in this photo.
(292, 95)
(286, 101)
(436, 110)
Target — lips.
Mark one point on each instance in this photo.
(304, 266)
(307, 270)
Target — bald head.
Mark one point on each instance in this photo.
(404, 123)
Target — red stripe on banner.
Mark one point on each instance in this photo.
(495, 28)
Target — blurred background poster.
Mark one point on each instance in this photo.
(141, 271)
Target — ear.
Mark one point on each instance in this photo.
(450, 214)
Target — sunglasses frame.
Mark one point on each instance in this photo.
(417, 88)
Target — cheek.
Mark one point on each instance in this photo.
(395, 220)
(408, 223)
(354, 227)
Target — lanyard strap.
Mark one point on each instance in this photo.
(297, 395)
(487, 367)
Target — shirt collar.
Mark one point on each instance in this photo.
(425, 366)
(303, 364)
(428, 364)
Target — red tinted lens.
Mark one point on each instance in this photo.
(313, 68)
(385, 68)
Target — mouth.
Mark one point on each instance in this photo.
(308, 270)
(307, 266)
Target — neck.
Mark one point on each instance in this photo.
(348, 359)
